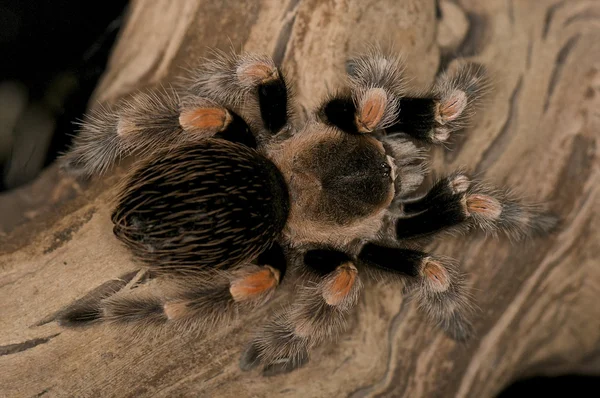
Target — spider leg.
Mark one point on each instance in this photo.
(192, 302)
(448, 107)
(239, 81)
(436, 283)
(108, 133)
(212, 105)
(146, 122)
(201, 117)
(377, 99)
(455, 201)
(318, 314)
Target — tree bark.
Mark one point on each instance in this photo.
(538, 133)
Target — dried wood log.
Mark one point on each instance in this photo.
(538, 133)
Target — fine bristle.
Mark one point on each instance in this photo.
(96, 147)
(228, 78)
(377, 80)
(137, 125)
(377, 69)
(277, 347)
(149, 119)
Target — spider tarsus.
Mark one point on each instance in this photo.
(80, 316)
(96, 147)
(458, 327)
(520, 220)
(250, 358)
(458, 93)
(277, 343)
(88, 309)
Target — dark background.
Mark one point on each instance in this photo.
(53, 53)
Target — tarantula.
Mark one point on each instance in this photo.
(231, 191)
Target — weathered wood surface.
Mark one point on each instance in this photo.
(539, 133)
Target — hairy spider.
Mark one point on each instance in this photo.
(220, 205)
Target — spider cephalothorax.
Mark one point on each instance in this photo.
(229, 186)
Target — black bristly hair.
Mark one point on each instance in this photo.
(238, 131)
(339, 112)
(273, 96)
(416, 117)
(325, 260)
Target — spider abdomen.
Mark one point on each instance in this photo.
(209, 204)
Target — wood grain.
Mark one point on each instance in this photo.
(538, 133)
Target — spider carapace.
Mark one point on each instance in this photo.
(232, 192)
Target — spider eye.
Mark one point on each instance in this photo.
(387, 169)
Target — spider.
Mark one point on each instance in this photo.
(232, 191)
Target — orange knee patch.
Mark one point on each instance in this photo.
(452, 107)
(205, 120)
(436, 275)
(254, 284)
(254, 73)
(176, 310)
(484, 205)
(338, 287)
(371, 110)
(126, 127)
